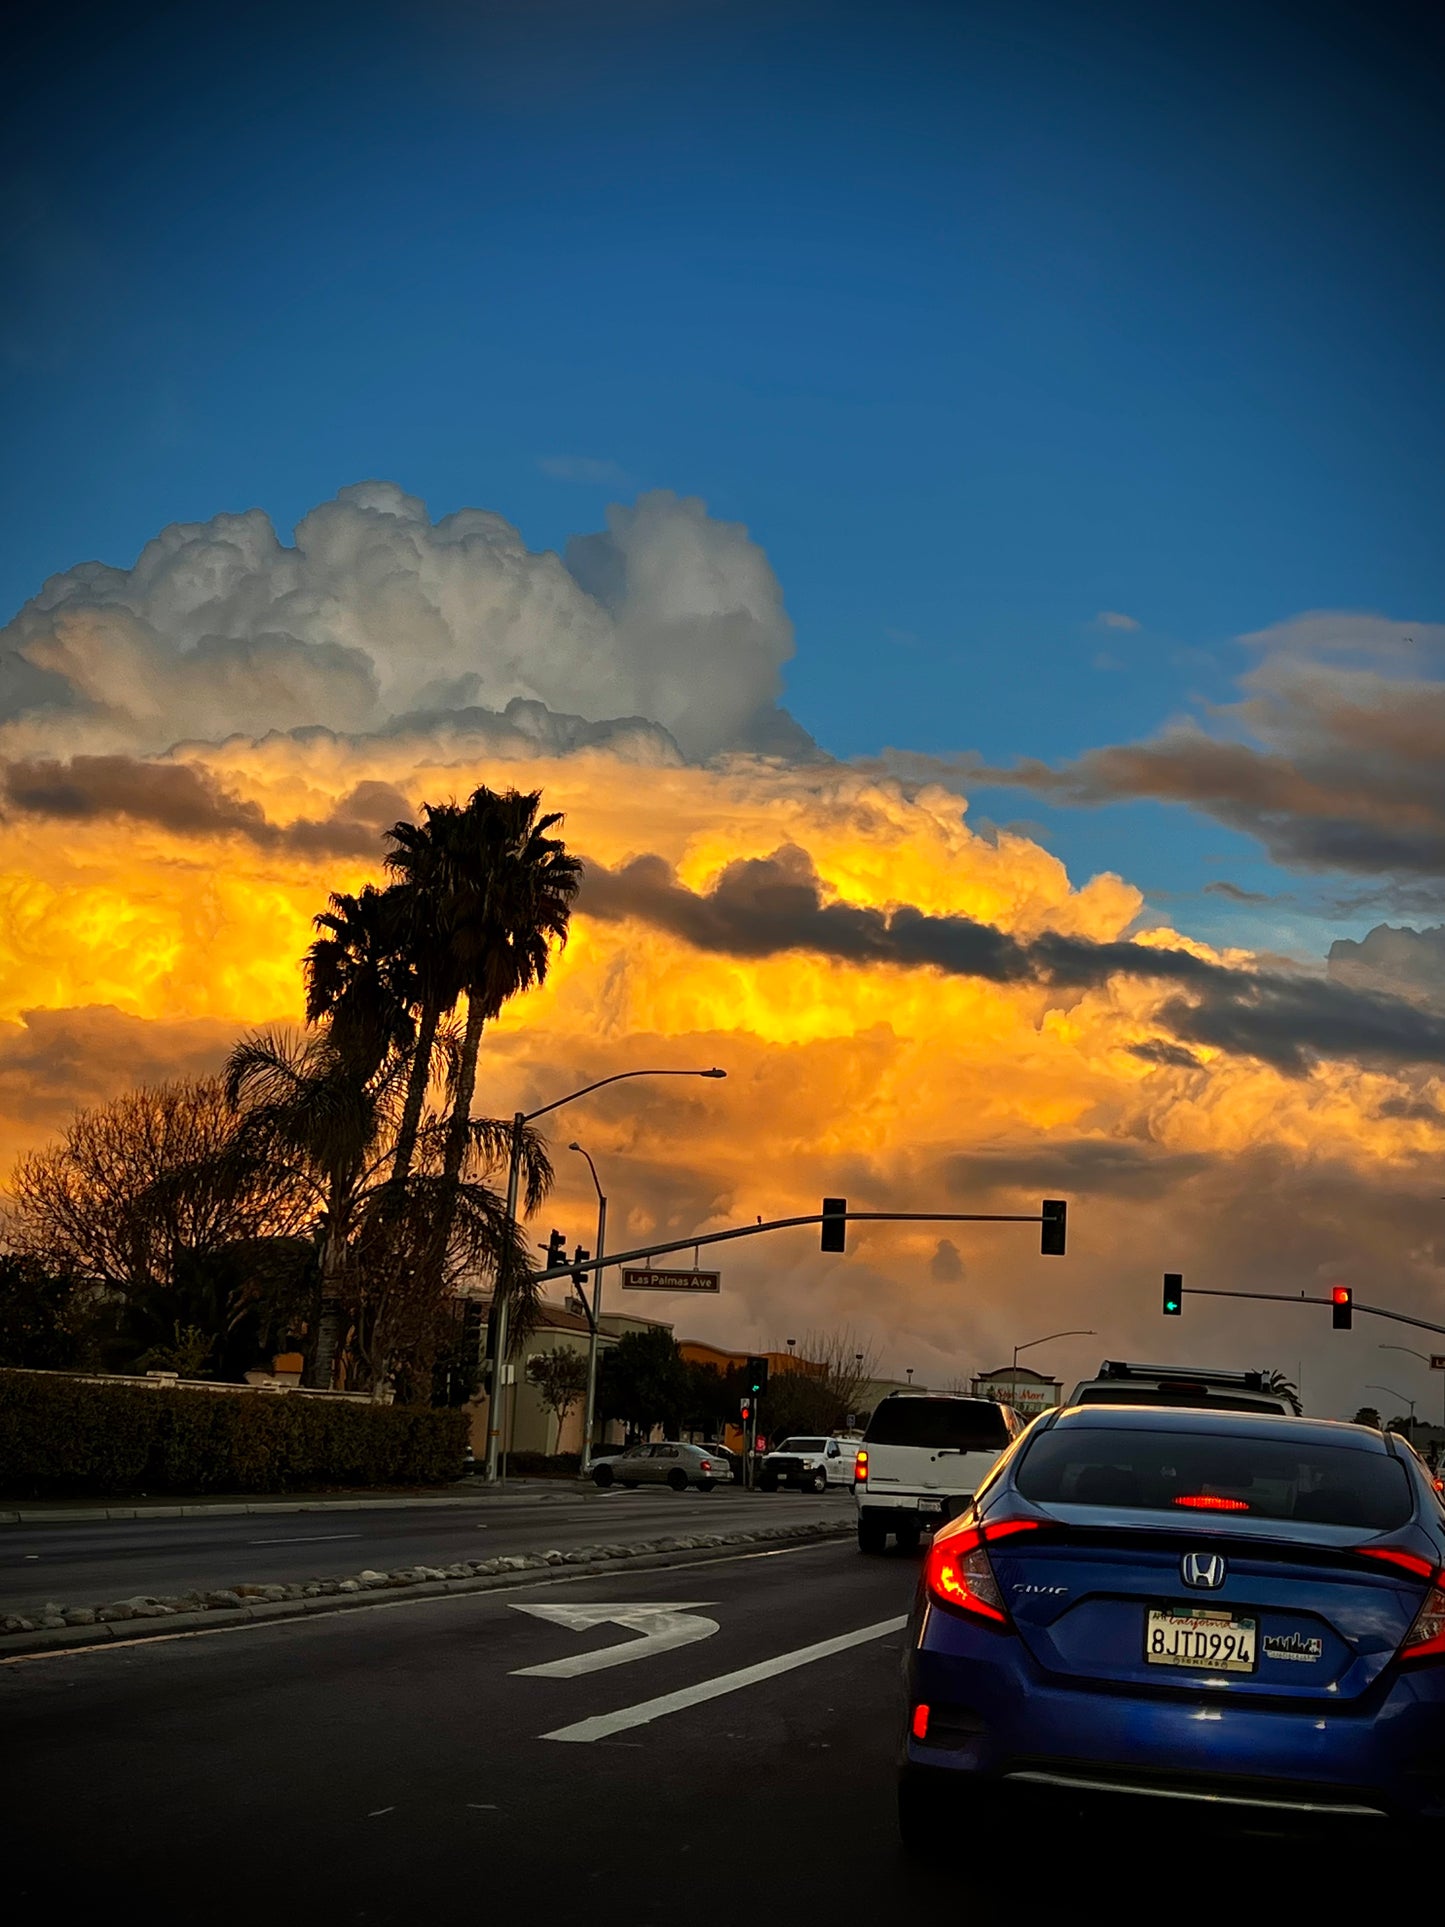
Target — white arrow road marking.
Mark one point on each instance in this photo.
(662, 1627)
(606, 1724)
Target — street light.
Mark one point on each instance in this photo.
(520, 1120)
(1394, 1394)
(1048, 1340)
(599, 1249)
(1423, 1356)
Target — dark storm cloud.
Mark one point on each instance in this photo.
(187, 800)
(1335, 757)
(768, 906)
(1171, 1056)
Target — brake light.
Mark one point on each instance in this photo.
(1426, 1638)
(919, 1721)
(860, 1467)
(957, 1575)
(1211, 1502)
(1411, 1561)
(707, 1465)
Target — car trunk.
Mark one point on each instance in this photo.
(1289, 1619)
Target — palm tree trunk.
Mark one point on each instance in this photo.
(416, 1090)
(459, 1124)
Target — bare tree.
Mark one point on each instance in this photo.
(829, 1380)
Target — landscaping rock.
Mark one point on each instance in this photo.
(51, 1620)
(80, 1616)
(13, 1623)
(345, 1585)
(224, 1600)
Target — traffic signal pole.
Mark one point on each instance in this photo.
(1292, 1298)
(1051, 1220)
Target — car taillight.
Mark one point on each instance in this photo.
(860, 1466)
(1426, 1638)
(707, 1465)
(1211, 1502)
(957, 1574)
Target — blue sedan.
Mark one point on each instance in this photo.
(1186, 1605)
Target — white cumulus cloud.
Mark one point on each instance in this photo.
(377, 613)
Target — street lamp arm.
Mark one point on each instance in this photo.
(530, 1117)
(1030, 1342)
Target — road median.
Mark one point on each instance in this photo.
(61, 1628)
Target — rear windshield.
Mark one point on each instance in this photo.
(802, 1445)
(961, 1424)
(1318, 1484)
(1124, 1394)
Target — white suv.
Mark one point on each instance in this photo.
(1120, 1383)
(923, 1456)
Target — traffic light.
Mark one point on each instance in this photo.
(835, 1224)
(745, 1410)
(556, 1249)
(1173, 1294)
(1055, 1216)
(580, 1257)
(1342, 1302)
(757, 1376)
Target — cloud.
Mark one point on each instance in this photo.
(1334, 758)
(1233, 893)
(583, 468)
(1115, 619)
(378, 613)
(1106, 660)
(189, 801)
(1400, 961)
(761, 907)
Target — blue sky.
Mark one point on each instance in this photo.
(984, 319)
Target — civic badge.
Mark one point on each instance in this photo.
(1203, 1570)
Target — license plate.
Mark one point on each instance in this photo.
(930, 1505)
(1219, 1642)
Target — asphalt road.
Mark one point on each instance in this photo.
(408, 1761)
(90, 1564)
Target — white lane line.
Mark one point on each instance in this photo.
(305, 1539)
(604, 1724)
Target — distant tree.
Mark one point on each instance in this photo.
(1367, 1415)
(560, 1377)
(644, 1381)
(829, 1382)
(1284, 1387)
(46, 1315)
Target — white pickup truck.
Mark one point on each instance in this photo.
(811, 1464)
(922, 1458)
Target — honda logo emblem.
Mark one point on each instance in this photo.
(1204, 1570)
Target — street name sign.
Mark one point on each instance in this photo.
(640, 1279)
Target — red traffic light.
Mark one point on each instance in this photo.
(1341, 1294)
(1343, 1301)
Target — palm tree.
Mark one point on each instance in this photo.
(512, 886)
(358, 978)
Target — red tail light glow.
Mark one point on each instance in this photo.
(860, 1467)
(1426, 1638)
(1411, 1561)
(1211, 1502)
(707, 1465)
(919, 1722)
(958, 1575)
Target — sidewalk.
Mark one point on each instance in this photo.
(88, 1512)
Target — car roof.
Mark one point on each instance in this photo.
(1193, 1418)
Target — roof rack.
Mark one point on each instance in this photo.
(1175, 1374)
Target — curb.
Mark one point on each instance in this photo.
(66, 1639)
(221, 1508)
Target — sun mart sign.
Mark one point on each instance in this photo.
(1028, 1394)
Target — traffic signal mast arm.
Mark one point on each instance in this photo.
(1299, 1298)
(565, 1270)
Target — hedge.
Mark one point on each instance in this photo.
(63, 1435)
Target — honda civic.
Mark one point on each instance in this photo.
(1224, 1607)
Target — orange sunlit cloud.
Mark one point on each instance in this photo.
(877, 1080)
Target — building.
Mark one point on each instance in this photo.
(1028, 1392)
(528, 1425)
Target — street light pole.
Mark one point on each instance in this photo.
(1048, 1340)
(1404, 1396)
(1410, 1349)
(520, 1121)
(590, 1405)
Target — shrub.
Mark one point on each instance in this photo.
(61, 1435)
(544, 1465)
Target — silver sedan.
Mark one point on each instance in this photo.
(671, 1463)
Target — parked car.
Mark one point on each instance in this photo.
(672, 1463)
(923, 1457)
(1241, 1609)
(1120, 1383)
(810, 1464)
(725, 1453)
